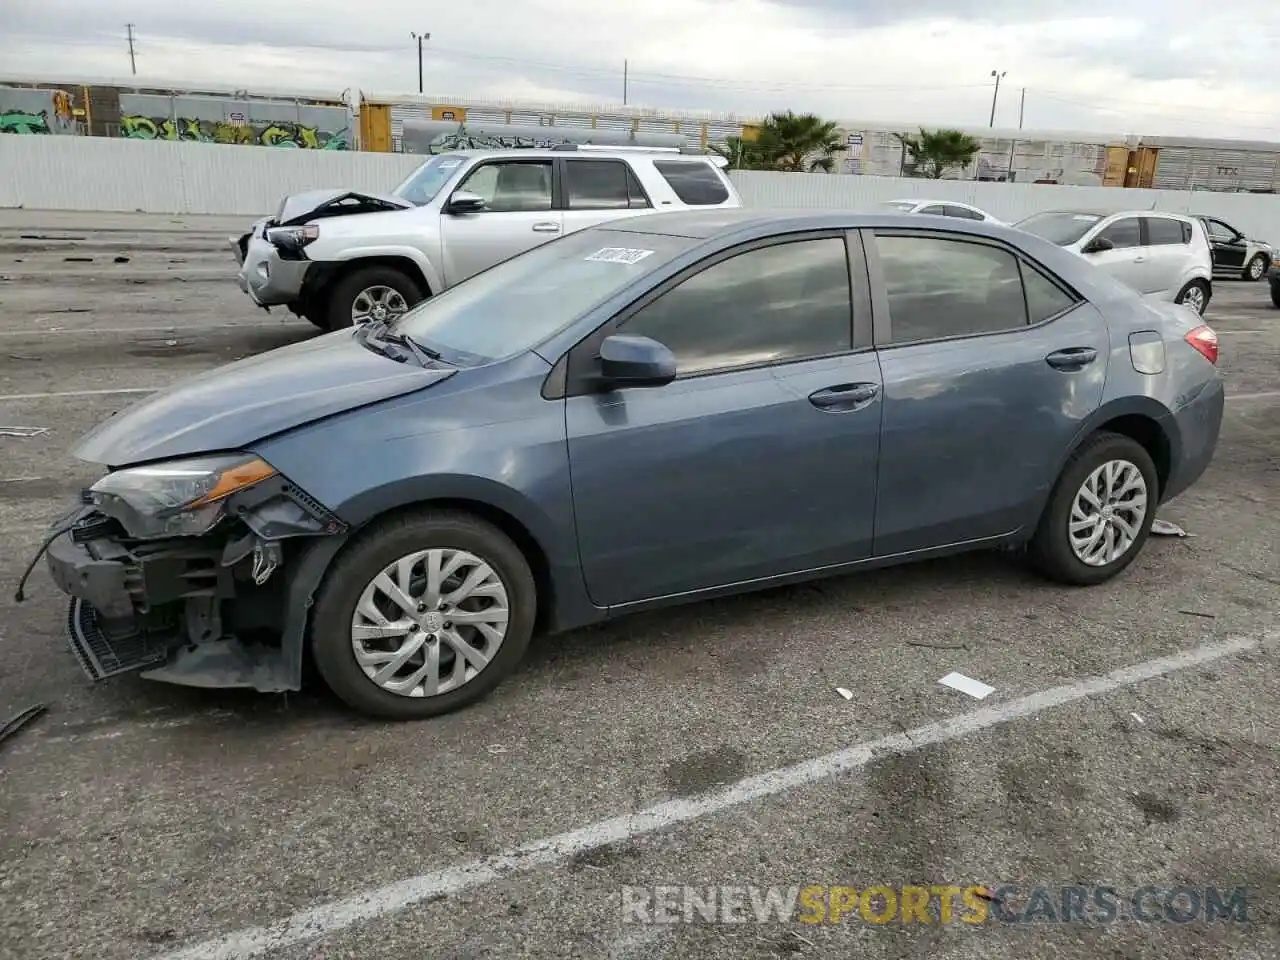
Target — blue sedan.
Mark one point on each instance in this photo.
(650, 412)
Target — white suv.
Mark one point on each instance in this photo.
(1161, 255)
(344, 257)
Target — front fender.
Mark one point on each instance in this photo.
(347, 253)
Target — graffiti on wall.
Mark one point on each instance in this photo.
(279, 133)
(445, 143)
(36, 112)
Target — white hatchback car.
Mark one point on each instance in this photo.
(1161, 255)
(939, 208)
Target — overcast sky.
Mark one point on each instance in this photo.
(1146, 66)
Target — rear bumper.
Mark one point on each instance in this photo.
(1199, 424)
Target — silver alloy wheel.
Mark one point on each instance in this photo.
(429, 622)
(1257, 266)
(1107, 513)
(1194, 298)
(378, 302)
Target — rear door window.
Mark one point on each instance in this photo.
(695, 182)
(602, 185)
(1162, 231)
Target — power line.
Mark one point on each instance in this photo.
(133, 64)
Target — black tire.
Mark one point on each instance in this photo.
(381, 545)
(1050, 548)
(345, 291)
(1256, 268)
(1275, 294)
(1204, 288)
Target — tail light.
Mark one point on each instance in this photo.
(1205, 342)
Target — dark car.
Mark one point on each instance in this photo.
(1273, 278)
(641, 414)
(1234, 254)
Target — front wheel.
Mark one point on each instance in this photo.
(1275, 294)
(423, 614)
(1195, 295)
(1099, 514)
(1256, 268)
(371, 294)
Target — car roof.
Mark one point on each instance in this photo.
(713, 224)
(596, 153)
(1113, 213)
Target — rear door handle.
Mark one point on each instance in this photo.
(1072, 358)
(844, 397)
(546, 228)
(1139, 259)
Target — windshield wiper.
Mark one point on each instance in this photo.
(379, 333)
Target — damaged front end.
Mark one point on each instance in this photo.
(198, 571)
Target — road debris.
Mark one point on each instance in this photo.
(938, 646)
(1197, 613)
(847, 694)
(21, 719)
(121, 259)
(23, 356)
(1163, 528)
(24, 432)
(1138, 718)
(974, 688)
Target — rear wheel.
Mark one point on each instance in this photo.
(1256, 268)
(1099, 514)
(1275, 294)
(423, 614)
(1195, 295)
(370, 294)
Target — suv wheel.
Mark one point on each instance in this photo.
(1257, 267)
(1099, 514)
(423, 614)
(371, 293)
(1195, 295)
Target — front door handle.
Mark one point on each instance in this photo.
(546, 228)
(1072, 358)
(843, 397)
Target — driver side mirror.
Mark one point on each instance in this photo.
(635, 362)
(1098, 245)
(464, 201)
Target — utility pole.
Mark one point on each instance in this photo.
(420, 37)
(133, 64)
(998, 74)
(1022, 107)
(625, 66)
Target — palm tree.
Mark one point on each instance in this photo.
(797, 143)
(934, 152)
(740, 153)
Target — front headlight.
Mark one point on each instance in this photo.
(181, 498)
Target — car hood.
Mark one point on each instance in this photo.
(243, 402)
(300, 207)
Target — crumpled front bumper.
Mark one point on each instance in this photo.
(111, 622)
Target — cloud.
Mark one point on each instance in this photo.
(1150, 66)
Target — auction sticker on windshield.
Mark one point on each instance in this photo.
(619, 255)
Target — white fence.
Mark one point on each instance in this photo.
(96, 173)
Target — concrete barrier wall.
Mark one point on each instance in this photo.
(94, 173)
(101, 173)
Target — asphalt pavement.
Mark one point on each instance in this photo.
(1130, 741)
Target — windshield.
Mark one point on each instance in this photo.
(1063, 229)
(425, 182)
(514, 306)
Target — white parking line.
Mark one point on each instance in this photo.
(337, 915)
(1264, 395)
(78, 393)
(282, 323)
